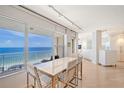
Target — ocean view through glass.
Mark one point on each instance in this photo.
(12, 49)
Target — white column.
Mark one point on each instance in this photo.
(96, 45)
(65, 45)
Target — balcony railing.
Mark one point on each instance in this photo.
(15, 61)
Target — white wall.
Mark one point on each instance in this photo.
(93, 53)
(40, 25)
(83, 38)
(114, 37)
(117, 44)
(87, 54)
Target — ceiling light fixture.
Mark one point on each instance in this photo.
(60, 14)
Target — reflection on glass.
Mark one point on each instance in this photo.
(11, 50)
(40, 48)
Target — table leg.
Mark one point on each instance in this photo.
(81, 70)
(54, 81)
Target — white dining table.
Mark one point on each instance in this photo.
(54, 67)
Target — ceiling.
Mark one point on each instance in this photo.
(88, 17)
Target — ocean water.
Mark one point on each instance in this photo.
(15, 56)
(21, 50)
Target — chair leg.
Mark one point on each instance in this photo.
(75, 78)
(81, 71)
(67, 84)
(81, 75)
(27, 80)
(77, 74)
(34, 82)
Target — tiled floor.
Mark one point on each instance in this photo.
(96, 76)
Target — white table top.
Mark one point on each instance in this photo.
(54, 67)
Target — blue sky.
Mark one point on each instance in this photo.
(9, 38)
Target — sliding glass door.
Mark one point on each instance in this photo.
(11, 46)
(33, 44)
(40, 48)
(59, 45)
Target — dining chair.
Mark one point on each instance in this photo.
(78, 74)
(40, 80)
(30, 74)
(79, 68)
(69, 75)
(43, 81)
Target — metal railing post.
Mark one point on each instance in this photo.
(3, 64)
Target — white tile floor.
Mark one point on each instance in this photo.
(96, 76)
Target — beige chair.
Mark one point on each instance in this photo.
(79, 66)
(43, 81)
(40, 80)
(69, 75)
(30, 76)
